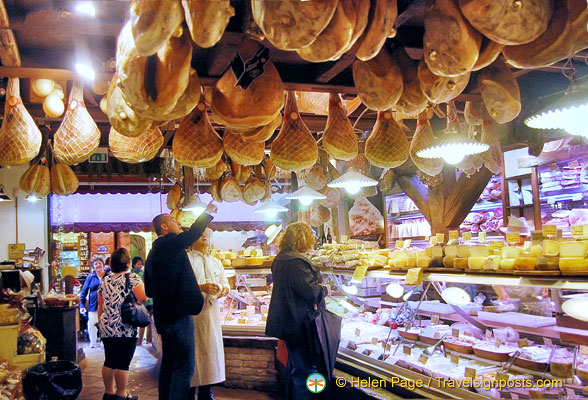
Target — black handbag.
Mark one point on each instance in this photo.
(131, 311)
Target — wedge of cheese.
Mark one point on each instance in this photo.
(573, 263)
(547, 263)
(423, 261)
(414, 276)
(536, 250)
(257, 253)
(239, 262)
(476, 262)
(399, 263)
(230, 255)
(573, 249)
(451, 250)
(550, 248)
(255, 260)
(511, 252)
(226, 263)
(244, 252)
(378, 260)
(436, 251)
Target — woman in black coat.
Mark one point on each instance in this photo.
(297, 299)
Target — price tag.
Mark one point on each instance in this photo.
(550, 230)
(243, 313)
(407, 243)
(359, 273)
(523, 343)
(467, 236)
(468, 333)
(400, 244)
(537, 236)
(498, 342)
(388, 347)
(436, 335)
(357, 332)
(423, 359)
(242, 321)
(376, 354)
(455, 359)
(455, 333)
(584, 351)
(573, 164)
(488, 334)
(497, 245)
(513, 237)
(375, 341)
(482, 237)
(435, 319)
(453, 235)
(250, 310)
(501, 377)
(407, 350)
(577, 231)
(470, 373)
(440, 238)
(548, 342)
(433, 240)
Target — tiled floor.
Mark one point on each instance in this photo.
(143, 378)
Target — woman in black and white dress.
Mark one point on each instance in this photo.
(119, 339)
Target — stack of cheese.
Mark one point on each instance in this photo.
(415, 257)
(549, 258)
(350, 254)
(374, 258)
(243, 258)
(456, 256)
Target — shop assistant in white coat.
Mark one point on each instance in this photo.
(208, 336)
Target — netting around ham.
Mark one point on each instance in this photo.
(137, 149)
(242, 151)
(20, 138)
(423, 137)
(78, 136)
(387, 146)
(339, 138)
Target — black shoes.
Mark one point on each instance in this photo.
(117, 397)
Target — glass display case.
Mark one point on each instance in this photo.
(505, 335)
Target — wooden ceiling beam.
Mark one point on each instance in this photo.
(9, 53)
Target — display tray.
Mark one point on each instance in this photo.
(458, 348)
(530, 364)
(491, 355)
(574, 273)
(537, 272)
(443, 269)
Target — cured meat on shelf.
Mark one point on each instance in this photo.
(153, 23)
(294, 148)
(316, 178)
(500, 92)
(196, 144)
(230, 191)
(422, 138)
(20, 138)
(253, 191)
(253, 107)
(339, 137)
(379, 28)
(136, 149)
(78, 136)
(333, 199)
(451, 46)
(292, 25)
(386, 146)
(207, 20)
(379, 81)
(508, 23)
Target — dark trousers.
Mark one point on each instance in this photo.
(177, 361)
(304, 358)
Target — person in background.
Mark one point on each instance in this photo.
(170, 281)
(137, 268)
(119, 339)
(107, 263)
(208, 335)
(89, 298)
(297, 299)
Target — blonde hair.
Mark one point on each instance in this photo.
(298, 237)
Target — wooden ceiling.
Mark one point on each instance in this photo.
(49, 35)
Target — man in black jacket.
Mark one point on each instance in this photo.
(170, 281)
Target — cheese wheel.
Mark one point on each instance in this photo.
(451, 250)
(511, 252)
(573, 264)
(463, 251)
(423, 262)
(399, 262)
(479, 250)
(239, 262)
(492, 262)
(476, 262)
(525, 263)
(411, 262)
(448, 261)
(547, 263)
(572, 249)
(550, 248)
(460, 263)
(507, 263)
(436, 251)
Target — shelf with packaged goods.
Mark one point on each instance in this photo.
(414, 214)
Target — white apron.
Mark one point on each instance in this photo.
(208, 335)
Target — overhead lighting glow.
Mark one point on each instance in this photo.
(32, 198)
(86, 8)
(452, 147)
(270, 208)
(306, 195)
(86, 71)
(3, 196)
(352, 182)
(196, 206)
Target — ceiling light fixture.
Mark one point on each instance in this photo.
(32, 198)
(569, 112)
(306, 195)
(86, 8)
(452, 147)
(196, 206)
(270, 208)
(86, 71)
(3, 196)
(352, 182)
